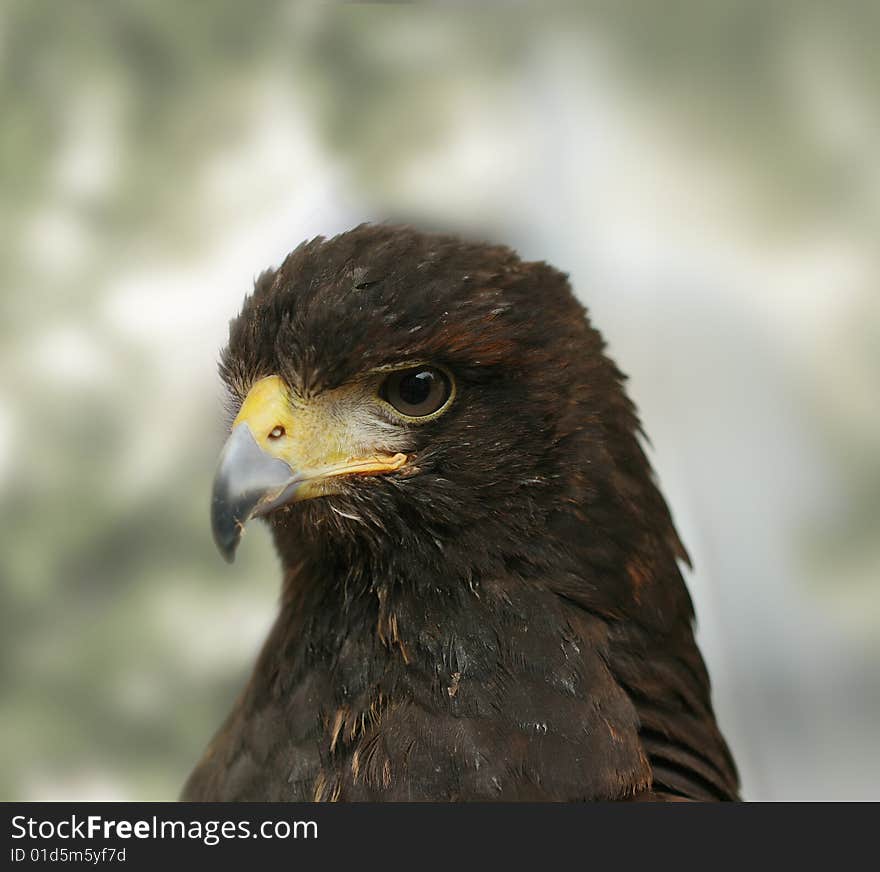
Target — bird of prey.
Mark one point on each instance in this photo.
(481, 594)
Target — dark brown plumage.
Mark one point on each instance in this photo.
(502, 617)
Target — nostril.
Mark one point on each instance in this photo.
(277, 432)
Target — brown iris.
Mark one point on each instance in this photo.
(419, 392)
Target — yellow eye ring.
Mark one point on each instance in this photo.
(418, 393)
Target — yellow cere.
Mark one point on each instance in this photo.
(322, 437)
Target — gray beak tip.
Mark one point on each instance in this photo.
(225, 526)
(246, 477)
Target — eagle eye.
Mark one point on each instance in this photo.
(417, 393)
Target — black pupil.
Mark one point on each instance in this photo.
(415, 388)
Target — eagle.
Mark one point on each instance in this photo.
(481, 593)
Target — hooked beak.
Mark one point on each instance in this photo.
(248, 482)
(275, 456)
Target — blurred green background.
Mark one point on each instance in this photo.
(709, 175)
